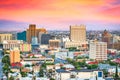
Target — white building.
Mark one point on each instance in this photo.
(82, 74)
(64, 55)
(98, 50)
(10, 44)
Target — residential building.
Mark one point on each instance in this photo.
(98, 50)
(25, 47)
(5, 37)
(14, 55)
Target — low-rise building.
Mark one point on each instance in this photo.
(10, 44)
(78, 45)
(5, 37)
(25, 47)
(62, 74)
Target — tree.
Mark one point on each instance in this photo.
(52, 79)
(6, 59)
(11, 78)
(41, 73)
(24, 74)
(92, 66)
(6, 69)
(116, 72)
(105, 72)
(27, 65)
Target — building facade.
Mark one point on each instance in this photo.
(54, 43)
(44, 39)
(98, 50)
(21, 36)
(78, 33)
(77, 38)
(5, 37)
(33, 32)
(107, 37)
(25, 47)
(11, 44)
(14, 56)
(82, 74)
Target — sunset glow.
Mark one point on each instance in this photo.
(59, 14)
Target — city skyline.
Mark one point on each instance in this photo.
(59, 14)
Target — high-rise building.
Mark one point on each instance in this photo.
(14, 55)
(78, 33)
(21, 36)
(5, 37)
(34, 41)
(33, 32)
(44, 38)
(98, 50)
(77, 38)
(107, 37)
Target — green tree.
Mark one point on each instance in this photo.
(41, 73)
(6, 69)
(11, 78)
(6, 59)
(105, 72)
(52, 79)
(116, 72)
(27, 65)
(92, 66)
(24, 74)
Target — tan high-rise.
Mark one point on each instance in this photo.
(33, 32)
(78, 33)
(14, 56)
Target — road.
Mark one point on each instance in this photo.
(1, 73)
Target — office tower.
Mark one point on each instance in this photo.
(21, 36)
(77, 38)
(107, 37)
(54, 43)
(34, 40)
(98, 50)
(14, 55)
(5, 37)
(33, 32)
(44, 38)
(78, 33)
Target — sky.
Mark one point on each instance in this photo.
(59, 14)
